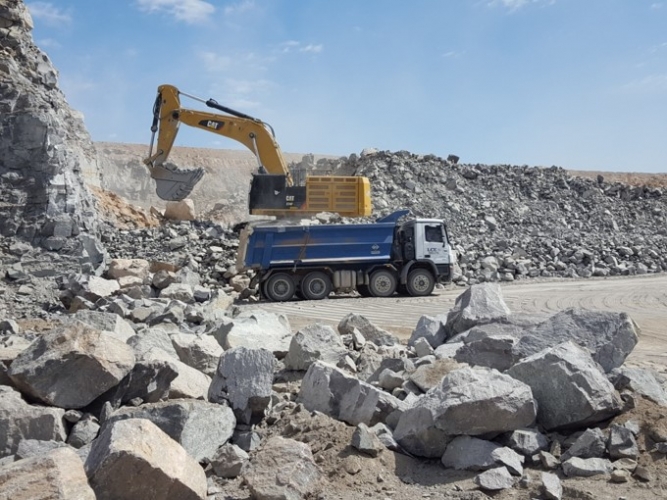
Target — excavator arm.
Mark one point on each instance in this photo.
(272, 190)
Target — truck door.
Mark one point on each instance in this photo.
(432, 243)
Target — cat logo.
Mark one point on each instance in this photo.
(212, 124)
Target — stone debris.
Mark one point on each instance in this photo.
(314, 343)
(495, 479)
(229, 461)
(552, 487)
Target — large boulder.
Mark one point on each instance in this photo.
(56, 475)
(314, 343)
(189, 383)
(20, 421)
(369, 331)
(492, 352)
(71, 366)
(134, 459)
(478, 305)
(201, 352)
(430, 328)
(569, 387)
(609, 337)
(467, 401)
(331, 391)
(255, 329)
(110, 323)
(283, 469)
(136, 268)
(469, 453)
(641, 381)
(200, 427)
(244, 379)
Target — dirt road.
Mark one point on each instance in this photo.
(644, 298)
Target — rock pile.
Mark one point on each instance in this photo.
(500, 401)
(515, 222)
(46, 155)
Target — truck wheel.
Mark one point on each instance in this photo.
(364, 291)
(383, 283)
(315, 286)
(420, 282)
(280, 287)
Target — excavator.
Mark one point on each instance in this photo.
(272, 189)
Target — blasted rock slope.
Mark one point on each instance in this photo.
(46, 155)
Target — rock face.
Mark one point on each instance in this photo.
(478, 305)
(134, 459)
(46, 155)
(56, 475)
(71, 366)
(313, 343)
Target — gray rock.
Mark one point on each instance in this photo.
(71, 366)
(430, 328)
(370, 332)
(390, 380)
(201, 352)
(448, 350)
(641, 381)
(430, 375)
(110, 323)
(134, 459)
(247, 440)
(283, 469)
(622, 443)
(178, 291)
(467, 401)
(590, 444)
(423, 348)
(83, 432)
(255, 329)
(228, 461)
(149, 380)
(200, 427)
(609, 337)
(548, 461)
(569, 387)
(34, 447)
(586, 467)
(478, 305)
(469, 453)
(492, 352)
(189, 383)
(314, 343)
(528, 441)
(551, 486)
(329, 390)
(55, 475)
(150, 338)
(244, 379)
(365, 441)
(494, 479)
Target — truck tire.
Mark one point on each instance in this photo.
(420, 282)
(383, 283)
(280, 287)
(316, 286)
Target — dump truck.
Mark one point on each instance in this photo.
(376, 259)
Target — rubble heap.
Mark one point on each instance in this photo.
(192, 400)
(513, 222)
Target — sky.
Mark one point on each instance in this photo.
(580, 84)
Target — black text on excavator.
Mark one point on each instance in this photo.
(272, 190)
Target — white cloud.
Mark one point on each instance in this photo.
(215, 62)
(453, 54)
(239, 7)
(48, 43)
(517, 4)
(188, 11)
(650, 83)
(294, 46)
(49, 14)
(656, 5)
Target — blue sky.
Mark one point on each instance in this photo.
(580, 84)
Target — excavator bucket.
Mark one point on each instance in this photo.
(174, 184)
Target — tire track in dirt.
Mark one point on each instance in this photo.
(644, 298)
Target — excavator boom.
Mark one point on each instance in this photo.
(272, 189)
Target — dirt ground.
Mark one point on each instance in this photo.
(631, 178)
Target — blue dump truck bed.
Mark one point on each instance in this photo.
(315, 245)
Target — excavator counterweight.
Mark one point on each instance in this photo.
(272, 190)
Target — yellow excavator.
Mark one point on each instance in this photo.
(272, 190)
